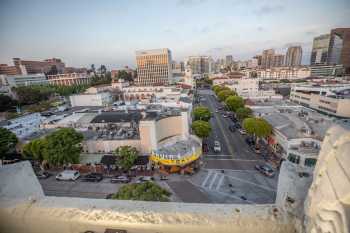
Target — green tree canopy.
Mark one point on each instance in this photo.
(243, 113)
(224, 94)
(126, 156)
(202, 113)
(234, 102)
(257, 127)
(35, 149)
(7, 103)
(147, 191)
(218, 88)
(8, 141)
(123, 74)
(201, 128)
(63, 147)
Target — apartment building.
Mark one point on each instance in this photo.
(8, 70)
(69, 79)
(278, 73)
(293, 56)
(153, 67)
(333, 100)
(199, 65)
(34, 67)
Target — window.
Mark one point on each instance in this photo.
(294, 158)
(310, 162)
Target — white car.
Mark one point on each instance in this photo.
(68, 175)
(242, 131)
(217, 146)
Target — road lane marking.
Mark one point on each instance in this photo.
(206, 178)
(224, 194)
(213, 181)
(220, 182)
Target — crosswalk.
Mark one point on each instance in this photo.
(213, 180)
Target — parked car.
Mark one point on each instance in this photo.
(242, 131)
(93, 177)
(42, 175)
(68, 175)
(250, 141)
(120, 179)
(265, 170)
(232, 128)
(164, 178)
(217, 146)
(144, 179)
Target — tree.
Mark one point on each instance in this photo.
(63, 147)
(201, 128)
(123, 74)
(224, 94)
(7, 103)
(202, 113)
(35, 149)
(257, 127)
(218, 88)
(147, 191)
(243, 113)
(127, 156)
(8, 141)
(234, 102)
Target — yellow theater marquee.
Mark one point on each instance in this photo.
(165, 160)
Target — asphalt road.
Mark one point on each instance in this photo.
(233, 145)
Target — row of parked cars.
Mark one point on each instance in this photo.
(72, 175)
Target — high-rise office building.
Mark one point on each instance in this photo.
(339, 48)
(267, 58)
(293, 56)
(277, 60)
(199, 64)
(319, 51)
(153, 67)
(229, 60)
(270, 59)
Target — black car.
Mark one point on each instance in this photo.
(93, 177)
(232, 128)
(43, 175)
(250, 141)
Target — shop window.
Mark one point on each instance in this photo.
(294, 158)
(310, 162)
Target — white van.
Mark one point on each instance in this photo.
(68, 175)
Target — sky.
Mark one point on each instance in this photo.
(84, 32)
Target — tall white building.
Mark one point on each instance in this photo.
(153, 67)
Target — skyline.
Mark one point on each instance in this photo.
(108, 32)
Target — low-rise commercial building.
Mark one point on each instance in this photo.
(69, 79)
(247, 88)
(7, 82)
(24, 126)
(297, 131)
(91, 99)
(146, 130)
(332, 99)
(326, 70)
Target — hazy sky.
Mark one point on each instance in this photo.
(82, 32)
